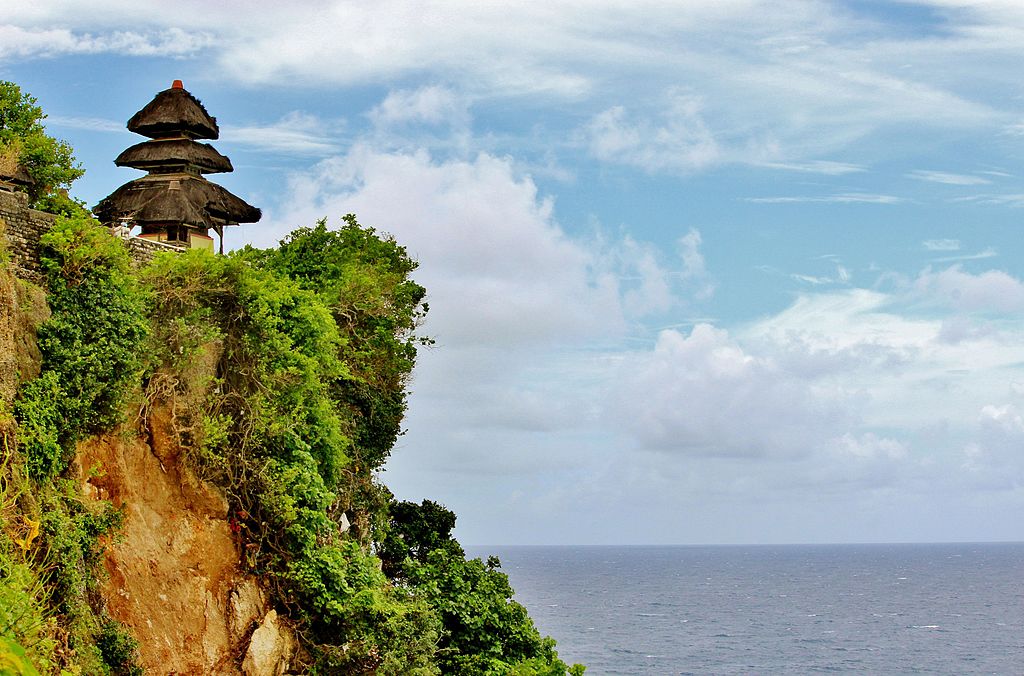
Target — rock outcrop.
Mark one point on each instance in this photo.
(174, 577)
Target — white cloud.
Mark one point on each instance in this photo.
(981, 255)
(679, 140)
(941, 244)
(693, 264)
(297, 133)
(501, 271)
(773, 84)
(842, 198)
(19, 42)
(1009, 199)
(427, 105)
(86, 123)
(870, 446)
(990, 291)
(1004, 417)
(703, 394)
(824, 167)
(811, 279)
(947, 178)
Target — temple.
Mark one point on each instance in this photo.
(173, 202)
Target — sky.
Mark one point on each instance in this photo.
(698, 272)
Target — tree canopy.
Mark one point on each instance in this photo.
(48, 161)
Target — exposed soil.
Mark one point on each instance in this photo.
(174, 566)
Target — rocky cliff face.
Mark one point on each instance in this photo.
(22, 308)
(173, 571)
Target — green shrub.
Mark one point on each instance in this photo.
(50, 162)
(119, 649)
(40, 419)
(90, 344)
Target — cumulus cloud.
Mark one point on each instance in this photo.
(990, 291)
(694, 269)
(678, 140)
(489, 244)
(703, 394)
(992, 460)
(430, 105)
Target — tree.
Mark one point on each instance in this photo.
(49, 162)
(413, 532)
(483, 630)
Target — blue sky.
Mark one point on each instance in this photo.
(699, 272)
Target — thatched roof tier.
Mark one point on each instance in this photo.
(11, 170)
(172, 112)
(163, 154)
(175, 198)
(16, 176)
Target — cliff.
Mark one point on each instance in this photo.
(189, 480)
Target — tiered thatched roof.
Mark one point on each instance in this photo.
(172, 112)
(174, 192)
(162, 154)
(175, 198)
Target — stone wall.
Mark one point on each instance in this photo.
(21, 227)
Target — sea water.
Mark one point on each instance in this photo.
(857, 609)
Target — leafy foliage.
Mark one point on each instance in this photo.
(414, 531)
(271, 407)
(364, 279)
(90, 361)
(49, 162)
(285, 371)
(315, 342)
(484, 630)
(90, 345)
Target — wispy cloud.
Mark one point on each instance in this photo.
(825, 167)
(769, 82)
(1015, 129)
(986, 253)
(86, 123)
(947, 178)
(941, 244)
(810, 279)
(296, 132)
(842, 198)
(841, 275)
(1011, 200)
(677, 140)
(19, 42)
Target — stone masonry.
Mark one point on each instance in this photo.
(21, 227)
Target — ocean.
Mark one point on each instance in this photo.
(795, 609)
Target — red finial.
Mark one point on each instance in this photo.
(177, 85)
